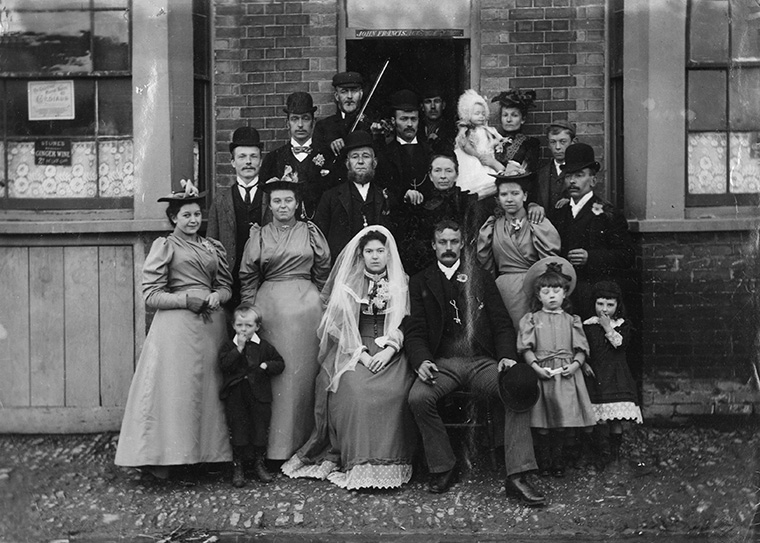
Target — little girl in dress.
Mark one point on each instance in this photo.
(475, 144)
(611, 386)
(553, 343)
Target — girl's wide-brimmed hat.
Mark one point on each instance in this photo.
(288, 181)
(188, 195)
(579, 156)
(550, 263)
(518, 387)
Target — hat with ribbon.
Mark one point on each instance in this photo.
(579, 156)
(188, 194)
(518, 387)
(299, 103)
(245, 136)
(514, 172)
(555, 264)
(520, 99)
(288, 181)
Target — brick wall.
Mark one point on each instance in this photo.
(699, 323)
(263, 51)
(555, 47)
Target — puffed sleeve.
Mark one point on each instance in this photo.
(580, 343)
(320, 269)
(156, 278)
(222, 283)
(526, 339)
(250, 266)
(484, 244)
(546, 239)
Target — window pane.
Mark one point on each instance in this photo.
(707, 100)
(707, 163)
(46, 42)
(708, 36)
(111, 41)
(29, 181)
(116, 170)
(745, 30)
(744, 99)
(18, 112)
(745, 162)
(115, 107)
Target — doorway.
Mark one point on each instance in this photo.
(414, 64)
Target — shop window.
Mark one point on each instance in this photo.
(66, 99)
(723, 103)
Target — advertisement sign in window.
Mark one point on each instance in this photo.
(51, 100)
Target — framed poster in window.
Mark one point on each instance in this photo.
(51, 100)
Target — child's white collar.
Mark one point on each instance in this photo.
(254, 339)
(595, 320)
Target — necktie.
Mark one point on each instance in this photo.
(247, 190)
(298, 150)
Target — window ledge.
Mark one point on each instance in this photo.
(716, 224)
(84, 226)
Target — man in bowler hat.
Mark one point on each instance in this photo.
(300, 153)
(358, 202)
(406, 158)
(237, 207)
(595, 237)
(459, 334)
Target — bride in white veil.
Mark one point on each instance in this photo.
(364, 434)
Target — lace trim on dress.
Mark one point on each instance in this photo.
(296, 469)
(617, 411)
(372, 476)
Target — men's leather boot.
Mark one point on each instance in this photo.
(260, 470)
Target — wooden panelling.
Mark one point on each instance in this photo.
(14, 317)
(60, 420)
(46, 323)
(81, 333)
(116, 324)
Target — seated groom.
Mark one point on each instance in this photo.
(457, 330)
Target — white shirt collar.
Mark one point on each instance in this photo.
(294, 143)
(576, 208)
(254, 339)
(449, 272)
(363, 189)
(404, 142)
(241, 184)
(558, 166)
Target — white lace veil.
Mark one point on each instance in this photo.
(340, 342)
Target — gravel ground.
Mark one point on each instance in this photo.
(700, 480)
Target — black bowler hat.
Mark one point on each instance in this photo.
(350, 80)
(579, 156)
(245, 136)
(405, 100)
(518, 387)
(299, 103)
(356, 139)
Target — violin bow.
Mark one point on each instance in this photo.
(369, 97)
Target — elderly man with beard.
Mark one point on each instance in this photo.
(356, 203)
(331, 131)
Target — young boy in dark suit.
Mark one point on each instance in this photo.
(247, 362)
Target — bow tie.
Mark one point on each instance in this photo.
(298, 150)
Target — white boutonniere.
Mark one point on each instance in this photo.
(319, 160)
(208, 246)
(597, 208)
(323, 173)
(462, 277)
